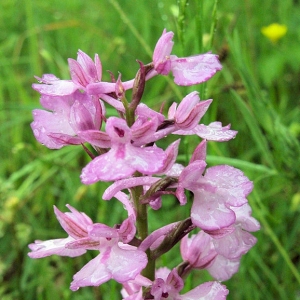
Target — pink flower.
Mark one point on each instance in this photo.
(85, 75)
(189, 112)
(68, 115)
(200, 253)
(84, 71)
(123, 159)
(168, 287)
(187, 71)
(221, 188)
(117, 260)
(75, 223)
(198, 250)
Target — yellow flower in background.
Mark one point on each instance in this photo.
(274, 32)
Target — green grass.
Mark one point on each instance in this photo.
(257, 92)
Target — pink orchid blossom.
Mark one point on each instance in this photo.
(132, 289)
(214, 193)
(198, 250)
(168, 287)
(117, 260)
(186, 71)
(84, 71)
(75, 223)
(123, 159)
(168, 284)
(70, 114)
(189, 112)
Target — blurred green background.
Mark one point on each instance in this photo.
(257, 92)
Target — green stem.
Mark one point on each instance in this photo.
(142, 228)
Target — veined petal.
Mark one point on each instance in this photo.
(62, 139)
(113, 263)
(209, 211)
(96, 138)
(171, 155)
(215, 132)
(235, 244)
(75, 223)
(56, 246)
(231, 183)
(56, 88)
(200, 152)
(106, 167)
(223, 268)
(207, 291)
(194, 69)
(88, 66)
(126, 183)
(126, 262)
(147, 160)
(46, 123)
(162, 51)
(93, 273)
(77, 73)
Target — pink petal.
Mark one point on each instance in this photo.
(223, 268)
(140, 133)
(172, 110)
(198, 249)
(163, 48)
(209, 211)
(190, 111)
(148, 160)
(235, 244)
(231, 182)
(215, 132)
(127, 229)
(207, 291)
(53, 247)
(106, 167)
(89, 66)
(96, 138)
(243, 217)
(79, 77)
(194, 69)
(93, 273)
(62, 139)
(200, 152)
(122, 184)
(171, 155)
(46, 123)
(56, 88)
(74, 223)
(126, 264)
(116, 103)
